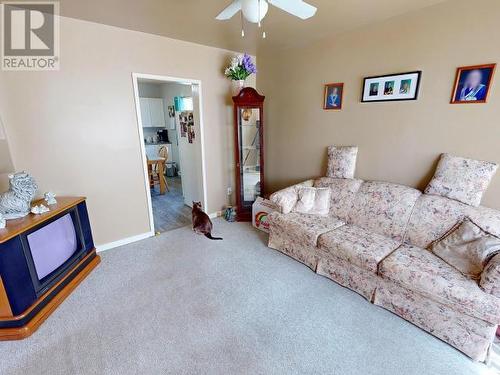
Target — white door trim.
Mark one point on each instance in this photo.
(165, 79)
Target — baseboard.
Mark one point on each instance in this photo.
(125, 241)
(213, 215)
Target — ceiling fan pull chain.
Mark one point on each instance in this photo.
(260, 22)
(242, 25)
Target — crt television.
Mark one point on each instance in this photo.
(37, 259)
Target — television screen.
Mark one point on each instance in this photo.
(53, 245)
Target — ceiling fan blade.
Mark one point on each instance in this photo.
(297, 8)
(230, 11)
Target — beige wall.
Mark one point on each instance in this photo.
(5, 159)
(5, 165)
(76, 131)
(399, 141)
(5, 162)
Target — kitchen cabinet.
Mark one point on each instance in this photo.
(145, 116)
(152, 112)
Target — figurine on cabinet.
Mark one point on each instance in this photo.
(16, 202)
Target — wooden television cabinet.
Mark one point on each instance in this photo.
(26, 298)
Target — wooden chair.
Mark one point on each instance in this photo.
(163, 153)
(156, 170)
(150, 173)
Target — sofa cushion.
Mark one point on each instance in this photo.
(342, 194)
(384, 208)
(359, 246)
(304, 228)
(342, 161)
(286, 243)
(462, 179)
(467, 248)
(422, 272)
(432, 218)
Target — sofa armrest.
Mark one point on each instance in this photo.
(490, 277)
(286, 198)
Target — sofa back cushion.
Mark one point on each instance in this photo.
(487, 218)
(384, 208)
(342, 192)
(433, 216)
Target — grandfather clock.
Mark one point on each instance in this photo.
(249, 150)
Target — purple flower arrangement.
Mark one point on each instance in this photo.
(241, 67)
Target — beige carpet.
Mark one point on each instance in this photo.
(182, 304)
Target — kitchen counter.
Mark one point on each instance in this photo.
(157, 143)
(153, 149)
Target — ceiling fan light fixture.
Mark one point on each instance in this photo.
(254, 11)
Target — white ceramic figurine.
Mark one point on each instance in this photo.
(50, 198)
(40, 209)
(16, 202)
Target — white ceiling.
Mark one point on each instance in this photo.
(194, 20)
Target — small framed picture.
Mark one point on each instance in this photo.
(333, 96)
(401, 86)
(171, 111)
(472, 84)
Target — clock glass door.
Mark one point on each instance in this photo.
(250, 154)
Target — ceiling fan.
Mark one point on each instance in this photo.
(254, 11)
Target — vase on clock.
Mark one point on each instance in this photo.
(238, 85)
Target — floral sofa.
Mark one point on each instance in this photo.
(374, 241)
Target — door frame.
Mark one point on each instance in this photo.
(168, 79)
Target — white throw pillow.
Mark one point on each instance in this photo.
(314, 201)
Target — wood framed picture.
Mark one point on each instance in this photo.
(472, 84)
(332, 99)
(391, 87)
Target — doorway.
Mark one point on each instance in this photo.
(170, 127)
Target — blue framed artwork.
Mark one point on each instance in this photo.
(472, 84)
(332, 99)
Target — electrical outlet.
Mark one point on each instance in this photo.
(229, 190)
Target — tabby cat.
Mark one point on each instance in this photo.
(201, 222)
